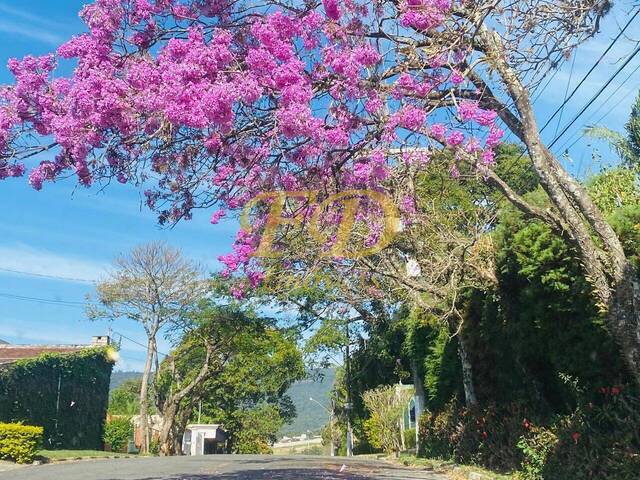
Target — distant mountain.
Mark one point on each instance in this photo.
(118, 378)
(310, 415)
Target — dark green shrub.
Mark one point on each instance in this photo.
(117, 433)
(600, 440)
(67, 394)
(485, 436)
(437, 432)
(19, 443)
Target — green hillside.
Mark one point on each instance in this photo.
(310, 416)
(118, 378)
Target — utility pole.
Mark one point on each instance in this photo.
(57, 413)
(348, 407)
(330, 411)
(331, 420)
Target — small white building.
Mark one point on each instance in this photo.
(204, 439)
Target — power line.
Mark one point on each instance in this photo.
(594, 98)
(43, 275)
(561, 58)
(606, 114)
(69, 303)
(140, 344)
(573, 92)
(553, 72)
(578, 86)
(566, 90)
(50, 301)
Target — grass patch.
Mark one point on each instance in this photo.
(58, 455)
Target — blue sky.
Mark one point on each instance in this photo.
(70, 232)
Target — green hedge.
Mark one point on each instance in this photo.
(19, 442)
(72, 417)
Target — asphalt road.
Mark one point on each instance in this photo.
(220, 467)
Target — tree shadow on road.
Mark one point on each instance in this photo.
(268, 474)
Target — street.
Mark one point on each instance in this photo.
(221, 467)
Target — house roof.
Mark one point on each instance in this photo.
(205, 425)
(12, 353)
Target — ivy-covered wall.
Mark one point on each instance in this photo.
(74, 417)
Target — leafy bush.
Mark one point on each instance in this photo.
(257, 431)
(19, 442)
(117, 433)
(410, 438)
(386, 405)
(437, 431)
(313, 450)
(600, 439)
(536, 449)
(154, 447)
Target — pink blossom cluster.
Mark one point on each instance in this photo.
(244, 246)
(424, 14)
(218, 105)
(470, 111)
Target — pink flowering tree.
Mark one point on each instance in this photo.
(206, 104)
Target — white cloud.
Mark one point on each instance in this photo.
(35, 33)
(21, 259)
(26, 24)
(25, 15)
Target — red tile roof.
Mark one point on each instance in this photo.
(12, 353)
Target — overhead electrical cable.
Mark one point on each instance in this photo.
(44, 275)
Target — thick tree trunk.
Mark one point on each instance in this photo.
(167, 443)
(603, 259)
(144, 396)
(171, 407)
(420, 398)
(624, 319)
(467, 373)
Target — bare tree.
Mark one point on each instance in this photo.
(154, 285)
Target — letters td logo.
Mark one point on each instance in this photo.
(348, 202)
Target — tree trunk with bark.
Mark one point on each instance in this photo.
(144, 397)
(166, 440)
(467, 373)
(420, 398)
(171, 407)
(575, 217)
